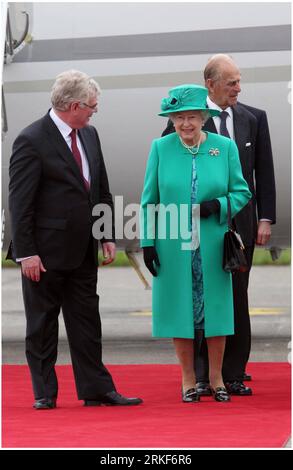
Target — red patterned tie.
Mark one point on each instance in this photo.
(77, 156)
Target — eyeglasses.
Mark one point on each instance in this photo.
(190, 119)
(93, 107)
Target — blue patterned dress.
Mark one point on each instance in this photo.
(197, 277)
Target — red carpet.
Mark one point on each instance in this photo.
(262, 420)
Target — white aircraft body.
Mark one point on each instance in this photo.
(136, 52)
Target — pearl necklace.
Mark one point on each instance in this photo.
(193, 149)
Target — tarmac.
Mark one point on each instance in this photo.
(125, 308)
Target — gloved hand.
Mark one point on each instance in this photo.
(150, 256)
(208, 208)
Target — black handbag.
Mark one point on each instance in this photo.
(234, 259)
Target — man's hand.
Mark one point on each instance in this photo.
(32, 268)
(109, 252)
(263, 232)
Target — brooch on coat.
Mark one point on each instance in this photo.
(214, 152)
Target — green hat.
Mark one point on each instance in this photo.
(186, 98)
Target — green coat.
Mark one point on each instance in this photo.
(168, 181)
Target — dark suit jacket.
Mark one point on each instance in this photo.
(251, 127)
(51, 211)
(263, 167)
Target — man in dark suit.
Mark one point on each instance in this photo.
(57, 176)
(248, 126)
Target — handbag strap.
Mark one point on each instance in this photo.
(229, 218)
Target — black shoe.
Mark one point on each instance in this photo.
(238, 388)
(45, 404)
(203, 389)
(113, 399)
(221, 394)
(190, 396)
(246, 377)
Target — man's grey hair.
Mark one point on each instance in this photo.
(71, 86)
(214, 67)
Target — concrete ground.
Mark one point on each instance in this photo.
(125, 308)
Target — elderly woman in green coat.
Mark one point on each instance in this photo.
(189, 176)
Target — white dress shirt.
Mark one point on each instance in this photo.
(217, 120)
(65, 131)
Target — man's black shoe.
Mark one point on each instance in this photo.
(246, 377)
(113, 399)
(45, 404)
(238, 388)
(203, 389)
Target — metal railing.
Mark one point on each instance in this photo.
(10, 49)
(12, 44)
(3, 116)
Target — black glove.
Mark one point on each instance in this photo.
(209, 207)
(150, 256)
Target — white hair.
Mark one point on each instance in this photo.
(71, 86)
